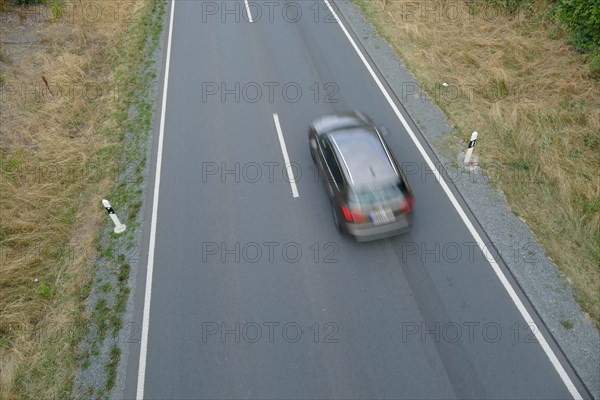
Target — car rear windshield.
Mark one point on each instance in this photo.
(384, 194)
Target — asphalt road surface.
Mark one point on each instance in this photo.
(254, 293)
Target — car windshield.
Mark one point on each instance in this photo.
(373, 196)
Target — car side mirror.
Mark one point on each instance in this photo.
(313, 144)
(384, 130)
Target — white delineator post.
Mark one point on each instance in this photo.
(119, 227)
(470, 148)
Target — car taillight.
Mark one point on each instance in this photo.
(407, 203)
(357, 216)
(353, 215)
(347, 215)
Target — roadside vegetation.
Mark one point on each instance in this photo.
(526, 75)
(68, 81)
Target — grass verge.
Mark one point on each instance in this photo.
(66, 100)
(108, 299)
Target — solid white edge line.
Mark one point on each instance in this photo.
(149, 270)
(286, 159)
(511, 292)
(248, 11)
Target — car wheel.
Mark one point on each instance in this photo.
(336, 221)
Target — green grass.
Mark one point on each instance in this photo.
(111, 367)
(567, 324)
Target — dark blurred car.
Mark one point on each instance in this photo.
(370, 196)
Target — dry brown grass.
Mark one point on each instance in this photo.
(53, 173)
(515, 80)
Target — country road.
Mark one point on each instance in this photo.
(254, 294)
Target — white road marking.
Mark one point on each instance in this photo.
(286, 159)
(148, 293)
(248, 11)
(511, 292)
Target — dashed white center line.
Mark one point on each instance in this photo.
(248, 11)
(286, 158)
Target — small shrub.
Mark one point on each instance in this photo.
(19, 2)
(4, 342)
(523, 165)
(567, 324)
(44, 291)
(582, 18)
(56, 9)
(592, 139)
(594, 63)
(509, 5)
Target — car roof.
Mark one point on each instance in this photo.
(362, 152)
(333, 122)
